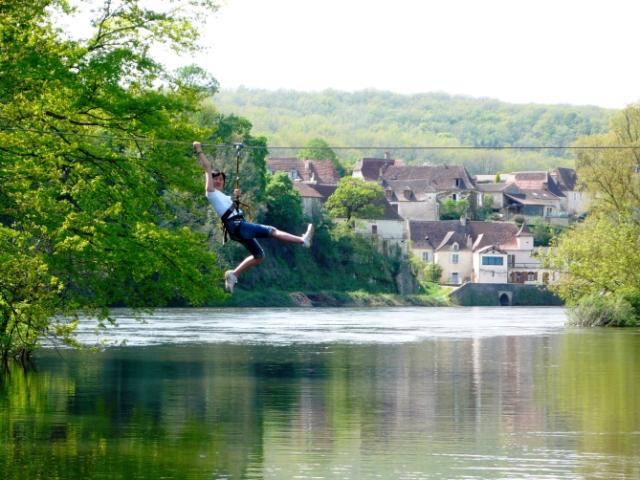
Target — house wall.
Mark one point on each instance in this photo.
(386, 229)
(464, 267)
(489, 273)
(577, 202)
(311, 206)
(426, 210)
(497, 199)
(420, 254)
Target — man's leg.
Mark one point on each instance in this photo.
(289, 238)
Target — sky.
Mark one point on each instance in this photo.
(543, 51)
(581, 52)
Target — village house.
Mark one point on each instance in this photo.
(388, 230)
(550, 196)
(479, 252)
(315, 180)
(576, 201)
(416, 191)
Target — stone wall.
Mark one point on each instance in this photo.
(507, 294)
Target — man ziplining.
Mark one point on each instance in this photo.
(234, 224)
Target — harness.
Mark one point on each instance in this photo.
(230, 219)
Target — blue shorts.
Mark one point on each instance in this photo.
(246, 233)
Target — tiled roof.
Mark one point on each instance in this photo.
(530, 180)
(324, 190)
(371, 168)
(416, 190)
(533, 197)
(492, 233)
(431, 234)
(492, 187)
(306, 191)
(320, 171)
(437, 177)
(536, 181)
(390, 212)
(566, 178)
(440, 234)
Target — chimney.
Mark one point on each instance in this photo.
(387, 156)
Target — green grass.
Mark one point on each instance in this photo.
(273, 298)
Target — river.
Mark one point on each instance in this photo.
(394, 393)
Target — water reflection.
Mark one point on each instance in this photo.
(538, 406)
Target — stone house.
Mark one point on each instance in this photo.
(388, 230)
(315, 180)
(551, 196)
(479, 252)
(316, 172)
(416, 191)
(576, 201)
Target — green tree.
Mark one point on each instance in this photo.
(601, 256)
(284, 205)
(319, 149)
(89, 145)
(453, 209)
(544, 233)
(355, 198)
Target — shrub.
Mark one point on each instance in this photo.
(603, 311)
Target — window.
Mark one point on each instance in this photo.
(426, 257)
(455, 247)
(492, 260)
(455, 258)
(531, 276)
(511, 259)
(374, 229)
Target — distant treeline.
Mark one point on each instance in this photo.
(384, 119)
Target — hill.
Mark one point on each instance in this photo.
(393, 122)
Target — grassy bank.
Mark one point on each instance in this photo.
(331, 298)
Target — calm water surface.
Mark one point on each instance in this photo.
(416, 393)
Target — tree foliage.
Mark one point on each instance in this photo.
(90, 142)
(383, 119)
(284, 205)
(355, 198)
(453, 209)
(601, 256)
(319, 149)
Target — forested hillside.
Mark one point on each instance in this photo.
(383, 119)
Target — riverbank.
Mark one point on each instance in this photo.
(331, 298)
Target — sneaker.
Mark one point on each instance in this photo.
(308, 236)
(230, 280)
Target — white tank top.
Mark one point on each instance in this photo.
(221, 202)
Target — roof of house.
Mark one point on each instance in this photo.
(474, 235)
(372, 168)
(325, 190)
(533, 197)
(307, 191)
(407, 190)
(565, 178)
(439, 177)
(319, 171)
(492, 187)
